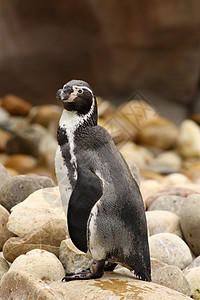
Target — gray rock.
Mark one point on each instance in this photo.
(169, 202)
(166, 162)
(20, 187)
(170, 276)
(190, 222)
(4, 176)
(72, 258)
(170, 249)
(4, 117)
(159, 221)
(4, 267)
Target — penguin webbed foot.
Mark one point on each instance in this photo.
(146, 276)
(110, 266)
(95, 271)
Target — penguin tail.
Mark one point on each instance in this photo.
(144, 275)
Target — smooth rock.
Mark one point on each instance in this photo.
(33, 140)
(21, 163)
(149, 187)
(176, 179)
(4, 176)
(40, 207)
(169, 276)
(16, 105)
(47, 237)
(20, 187)
(195, 263)
(41, 264)
(4, 267)
(193, 277)
(170, 249)
(12, 172)
(114, 285)
(188, 139)
(4, 137)
(159, 133)
(46, 115)
(159, 221)
(72, 258)
(193, 172)
(190, 222)
(137, 154)
(177, 191)
(20, 285)
(5, 234)
(169, 203)
(165, 163)
(4, 116)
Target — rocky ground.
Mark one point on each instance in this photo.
(36, 250)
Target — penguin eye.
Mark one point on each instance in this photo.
(80, 91)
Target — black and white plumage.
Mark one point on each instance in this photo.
(102, 201)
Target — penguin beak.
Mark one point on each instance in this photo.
(65, 95)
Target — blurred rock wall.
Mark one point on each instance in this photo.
(118, 46)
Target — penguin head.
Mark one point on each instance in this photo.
(77, 96)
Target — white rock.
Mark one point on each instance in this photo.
(176, 179)
(170, 249)
(190, 222)
(4, 267)
(72, 258)
(150, 186)
(188, 142)
(193, 277)
(165, 162)
(41, 264)
(39, 208)
(159, 221)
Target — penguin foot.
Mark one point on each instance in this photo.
(95, 271)
(110, 266)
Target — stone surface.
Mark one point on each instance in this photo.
(33, 140)
(177, 191)
(166, 162)
(4, 137)
(41, 264)
(72, 258)
(4, 176)
(4, 116)
(20, 187)
(18, 285)
(188, 140)
(149, 187)
(40, 207)
(137, 154)
(47, 237)
(169, 276)
(193, 277)
(195, 263)
(169, 203)
(190, 222)
(159, 133)
(4, 267)
(5, 234)
(159, 221)
(176, 179)
(16, 105)
(170, 249)
(115, 285)
(193, 172)
(21, 163)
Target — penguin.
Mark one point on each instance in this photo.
(101, 199)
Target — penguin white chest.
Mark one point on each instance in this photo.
(62, 174)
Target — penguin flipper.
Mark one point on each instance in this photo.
(86, 193)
